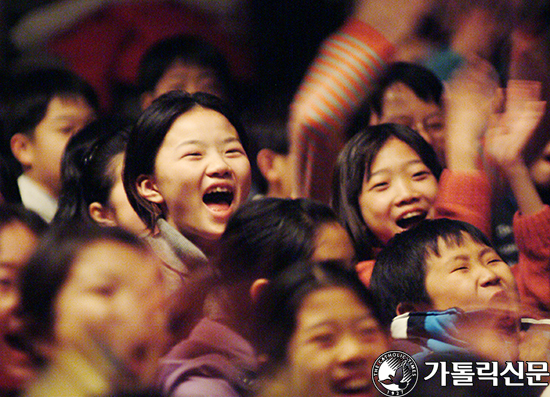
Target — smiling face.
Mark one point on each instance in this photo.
(470, 276)
(334, 345)
(113, 301)
(17, 243)
(400, 192)
(202, 174)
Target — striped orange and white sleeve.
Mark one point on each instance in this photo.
(337, 82)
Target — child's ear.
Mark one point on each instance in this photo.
(147, 188)
(374, 119)
(257, 288)
(146, 99)
(101, 214)
(22, 149)
(265, 160)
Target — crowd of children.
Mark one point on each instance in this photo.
(192, 244)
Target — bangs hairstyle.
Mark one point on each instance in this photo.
(353, 166)
(146, 138)
(278, 306)
(399, 274)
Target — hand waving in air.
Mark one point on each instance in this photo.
(507, 136)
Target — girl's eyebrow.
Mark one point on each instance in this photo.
(199, 142)
(231, 139)
(317, 325)
(383, 170)
(188, 142)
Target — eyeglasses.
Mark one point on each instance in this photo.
(430, 127)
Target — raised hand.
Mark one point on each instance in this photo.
(472, 96)
(510, 131)
(394, 19)
(507, 136)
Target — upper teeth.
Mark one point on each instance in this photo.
(219, 189)
(412, 214)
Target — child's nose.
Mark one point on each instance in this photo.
(218, 166)
(351, 351)
(488, 277)
(405, 193)
(13, 307)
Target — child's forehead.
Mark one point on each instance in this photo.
(450, 244)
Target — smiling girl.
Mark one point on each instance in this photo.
(320, 332)
(186, 172)
(388, 180)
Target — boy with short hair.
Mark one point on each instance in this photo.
(440, 264)
(45, 107)
(449, 290)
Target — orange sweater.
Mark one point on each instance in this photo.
(532, 272)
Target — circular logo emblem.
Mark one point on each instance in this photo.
(394, 373)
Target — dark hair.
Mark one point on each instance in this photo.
(146, 138)
(28, 95)
(399, 273)
(279, 304)
(267, 126)
(188, 49)
(87, 173)
(423, 82)
(17, 213)
(50, 265)
(266, 235)
(353, 166)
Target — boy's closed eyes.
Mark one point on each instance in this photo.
(469, 275)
